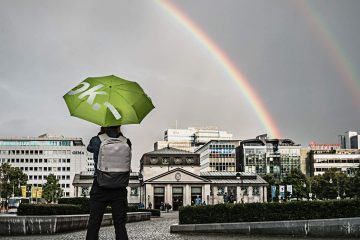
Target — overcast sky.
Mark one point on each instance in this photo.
(285, 48)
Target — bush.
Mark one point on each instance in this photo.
(85, 205)
(154, 212)
(48, 209)
(83, 202)
(256, 212)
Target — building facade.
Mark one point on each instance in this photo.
(173, 176)
(342, 160)
(351, 140)
(218, 156)
(191, 138)
(40, 156)
(268, 156)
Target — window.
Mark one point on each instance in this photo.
(63, 177)
(68, 177)
(22, 160)
(30, 177)
(59, 169)
(67, 185)
(221, 190)
(256, 191)
(134, 191)
(40, 160)
(67, 194)
(31, 160)
(31, 168)
(68, 160)
(68, 169)
(26, 168)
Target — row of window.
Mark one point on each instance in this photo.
(337, 160)
(35, 160)
(41, 177)
(244, 191)
(45, 169)
(35, 152)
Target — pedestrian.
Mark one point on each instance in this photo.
(150, 205)
(111, 193)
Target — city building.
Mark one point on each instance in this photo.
(40, 156)
(191, 138)
(218, 155)
(351, 140)
(342, 160)
(173, 176)
(268, 156)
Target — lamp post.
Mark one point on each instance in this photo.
(238, 177)
(338, 187)
(140, 180)
(1, 187)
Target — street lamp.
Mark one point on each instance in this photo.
(338, 187)
(140, 180)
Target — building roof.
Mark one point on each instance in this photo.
(170, 150)
(217, 140)
(177, 170)
(230, 178)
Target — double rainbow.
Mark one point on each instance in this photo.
(230, 68)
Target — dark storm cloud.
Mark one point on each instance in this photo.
(46, 48)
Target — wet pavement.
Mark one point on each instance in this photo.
(155, 229)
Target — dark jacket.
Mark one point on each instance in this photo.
(95, 142)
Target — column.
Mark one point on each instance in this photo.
(250, 196)
(206, 193)
(168, 194)
(215, 192)
(187, 195)
(238, 194)
(149, 195)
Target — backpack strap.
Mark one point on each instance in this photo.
(104, 137)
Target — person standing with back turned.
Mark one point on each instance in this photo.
(112, 158)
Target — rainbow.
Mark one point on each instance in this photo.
(336, 54)
(230, 68)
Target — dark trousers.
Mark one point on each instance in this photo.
(97, 209)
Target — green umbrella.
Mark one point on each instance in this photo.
(108, 101)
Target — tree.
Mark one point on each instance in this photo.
(332, 184)
(52, 191)
(297, 179)
(13, 177)
(354, 185)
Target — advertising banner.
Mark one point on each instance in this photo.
(282, 191)
(289, 189)
(39, 192)
(273, 192)
(33, 192)
(23, 191)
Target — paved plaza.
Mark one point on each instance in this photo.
(155, 229)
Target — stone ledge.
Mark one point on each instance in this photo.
(32, 225)
(339, 227)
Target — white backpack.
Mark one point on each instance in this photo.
(114, 162)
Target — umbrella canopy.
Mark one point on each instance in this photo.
(108, 101)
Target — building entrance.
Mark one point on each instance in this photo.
(159, 197)
(178, 198)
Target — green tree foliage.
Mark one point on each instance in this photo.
(299, 183)
(354, 185)
(52, 191)
(332, 184)
(12, 178)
